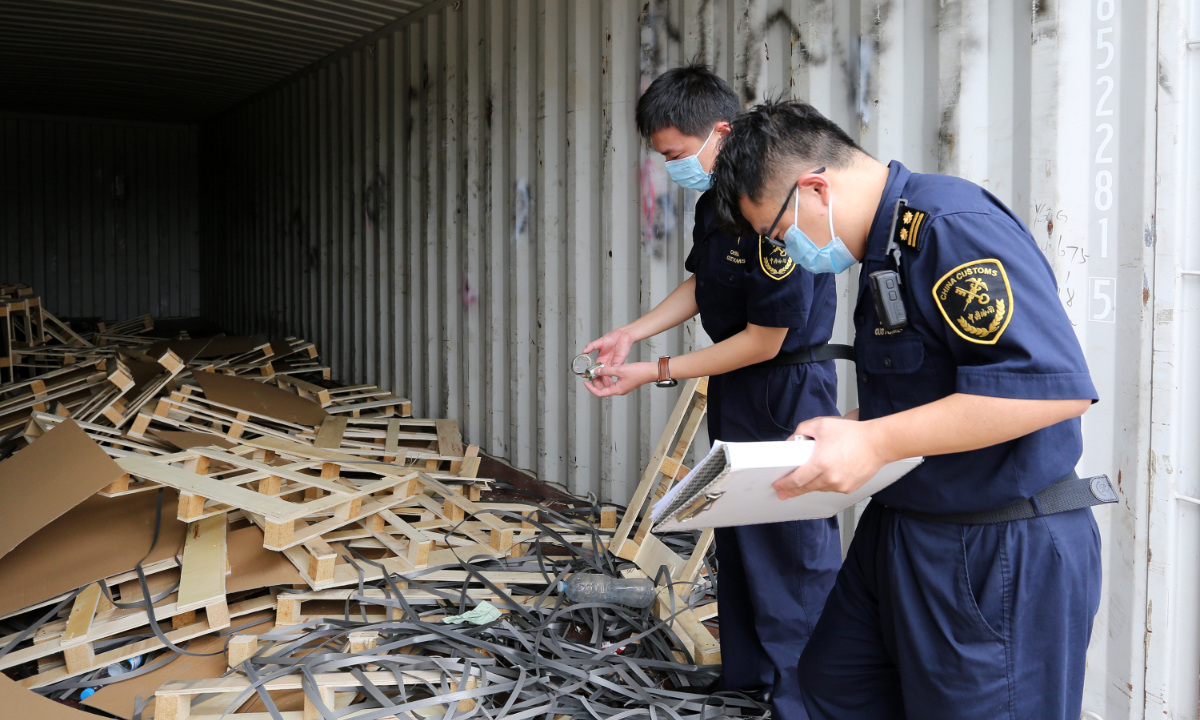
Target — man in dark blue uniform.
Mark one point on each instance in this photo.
(971, 584)
(768, 370)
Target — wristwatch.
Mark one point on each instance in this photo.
(664, 373)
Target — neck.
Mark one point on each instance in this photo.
(862, 188)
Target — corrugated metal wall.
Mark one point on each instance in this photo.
(453, 209)
(100, 217)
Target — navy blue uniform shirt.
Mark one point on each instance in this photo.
(984, 318)
(749, 280)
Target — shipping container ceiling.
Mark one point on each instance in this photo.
(168, 60)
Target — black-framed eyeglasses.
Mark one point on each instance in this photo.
(786, 201)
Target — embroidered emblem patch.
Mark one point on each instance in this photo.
(976, 300)
(774, 260)
(909, 225)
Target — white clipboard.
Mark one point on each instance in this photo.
(732, 486)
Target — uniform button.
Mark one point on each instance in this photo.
(858, 319)
(865, 380)
(887, 362)
(700, 283)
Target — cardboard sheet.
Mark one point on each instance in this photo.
(255, 566)
(212, 347)
(118, 698)
(186, 439)
(61, 469)
(187, 350)
(17, 702)
(97, 538)
(259, 398)
(252, 566)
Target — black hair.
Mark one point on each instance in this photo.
(691, 98)
(767, 140)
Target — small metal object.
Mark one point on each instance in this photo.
(584, 367)
(702, 503)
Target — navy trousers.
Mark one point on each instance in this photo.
(773, 578)
(932, 620)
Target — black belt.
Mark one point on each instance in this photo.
(1070, 493)
(817, 353)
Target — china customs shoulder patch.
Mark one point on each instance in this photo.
(976, 299)
(774, 260)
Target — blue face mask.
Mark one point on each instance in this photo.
(833, 258)
(688, 172)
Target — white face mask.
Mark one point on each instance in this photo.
(833, 258)
(688, 172)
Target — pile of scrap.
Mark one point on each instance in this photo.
(208, 527)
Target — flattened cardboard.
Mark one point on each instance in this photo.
(187, 350)
(260, 399)
(212, 347)
(58, 471)
(97, 538)
(21, 703)
(186, 440)
(254, 566)
(118, 697)
(223, 345)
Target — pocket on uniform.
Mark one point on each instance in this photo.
(894, 356)
(985, 579)
(776, 403)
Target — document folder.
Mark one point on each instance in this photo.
(732, 486)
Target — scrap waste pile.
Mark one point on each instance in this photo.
(210, 527)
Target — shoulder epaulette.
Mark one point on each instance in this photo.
(908, 226)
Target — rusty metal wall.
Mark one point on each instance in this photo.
(453, 208)
(100, 216)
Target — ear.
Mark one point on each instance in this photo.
(817, 184)
(722, 127)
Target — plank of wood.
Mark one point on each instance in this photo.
(330, 434)
(202, 580)
(448, 437)
(82, 614)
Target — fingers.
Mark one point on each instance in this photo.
(591, 346)
(796, 483)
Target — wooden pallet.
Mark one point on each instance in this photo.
(633, 540)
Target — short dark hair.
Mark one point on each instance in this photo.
(767, 140)
(691, 98)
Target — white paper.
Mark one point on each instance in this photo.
(748, 496)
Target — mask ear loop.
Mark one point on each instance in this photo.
(710, 134)
(832, 236)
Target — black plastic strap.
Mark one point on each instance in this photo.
(1070, 493)
(817, 353)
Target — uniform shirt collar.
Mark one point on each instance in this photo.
(881, 226)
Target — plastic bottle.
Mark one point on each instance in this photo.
(630, 592)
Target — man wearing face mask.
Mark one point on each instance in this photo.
(769, 369)
(971, 584)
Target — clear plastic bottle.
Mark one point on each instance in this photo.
(630, 592)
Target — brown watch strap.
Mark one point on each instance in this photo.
(664, 368)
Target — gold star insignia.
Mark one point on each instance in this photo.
(908, 216)
(903, 233)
